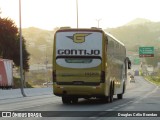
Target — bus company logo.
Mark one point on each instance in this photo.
(79, 37)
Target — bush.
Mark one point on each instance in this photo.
(17, 83)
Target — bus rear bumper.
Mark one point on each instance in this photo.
(79, 91)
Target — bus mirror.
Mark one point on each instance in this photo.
(129, 64)
(127, 60)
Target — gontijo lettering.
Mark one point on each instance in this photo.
(77, 52)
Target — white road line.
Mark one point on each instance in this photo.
(92, 117)
(110, 110)
(146, 95)
(119, 106)
(116, 107)
(122, 105)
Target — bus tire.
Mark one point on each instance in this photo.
(66, 100)
(119, 96)
(74, 100)
(105, 99)
(124, 88)
(109, 99)
(111, 93)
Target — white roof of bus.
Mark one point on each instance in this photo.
(92, 28)
(114, 38)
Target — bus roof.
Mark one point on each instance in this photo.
(93, 29)
(108, 34)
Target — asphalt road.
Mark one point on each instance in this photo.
(141, 98)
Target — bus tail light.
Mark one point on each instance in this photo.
(54, 76)
(102, 76)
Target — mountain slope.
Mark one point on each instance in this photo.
(141, 34)
(138, 21)
(39, 44)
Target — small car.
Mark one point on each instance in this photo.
(47, 83)
(132, 80)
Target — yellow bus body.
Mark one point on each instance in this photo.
(83, 65)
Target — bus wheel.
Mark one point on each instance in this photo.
(111, 94)
(119, 96)
(105, 99)
(109, 98)
(66, 100)
(74, 100)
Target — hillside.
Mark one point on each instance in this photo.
(39, 44)
(140, 34)
(138, 21)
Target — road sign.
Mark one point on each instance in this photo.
(146, 51)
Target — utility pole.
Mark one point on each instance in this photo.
(77, 11)
(21, 57)
(46, 62)
(98, 20)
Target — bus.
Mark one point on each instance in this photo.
(88, 63)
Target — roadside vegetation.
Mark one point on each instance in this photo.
(17, 83)
(9, 43)
(38, 78)
(154, 78)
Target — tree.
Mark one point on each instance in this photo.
(9, 43)
(25, 53)
(8, 34)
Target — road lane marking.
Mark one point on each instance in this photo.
(119, 106)
(146, 95)
(92, 117)
(116, 107)
(109, 110)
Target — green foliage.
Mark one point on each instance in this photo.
(25, 54)
(8, 34)
(9, 43)
(140, 33)
(39, 44)
(37, 78)
(17, 83)
(134, 36)
(154, 79)
(154, 60)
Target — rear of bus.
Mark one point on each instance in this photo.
(77, 64)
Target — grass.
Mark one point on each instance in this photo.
(154, 79)
(17, 83)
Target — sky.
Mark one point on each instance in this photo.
(48, 14)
